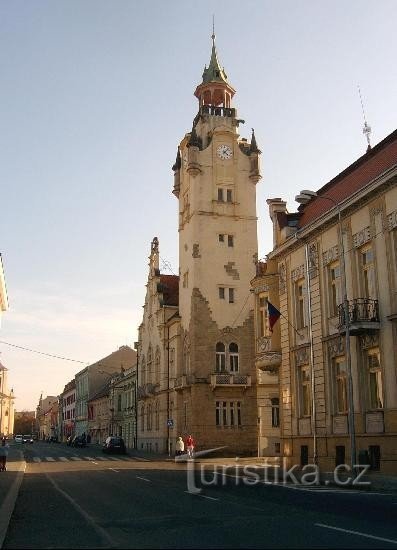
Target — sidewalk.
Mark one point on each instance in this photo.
(10, 482)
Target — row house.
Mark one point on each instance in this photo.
(93, 377)
(7, 399)
(332, 277)
(99, 427)
(47, 417)
(67, 408)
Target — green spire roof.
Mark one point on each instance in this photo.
(214, 73)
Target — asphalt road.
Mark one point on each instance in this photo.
(79, 498)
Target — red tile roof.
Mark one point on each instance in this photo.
(170, 289)
(355, 177)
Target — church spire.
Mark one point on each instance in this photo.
(214, 73)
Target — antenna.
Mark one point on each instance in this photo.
(366, 128)
(213, 28)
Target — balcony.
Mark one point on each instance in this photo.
(217, 111)
(183, 381)
(363, 316)
(230, 380)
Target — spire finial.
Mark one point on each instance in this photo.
(213, 29)
(366, 128)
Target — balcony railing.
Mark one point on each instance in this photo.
(230, 380)
(217, 111)
(363, 316)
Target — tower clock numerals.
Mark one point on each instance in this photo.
(224, 152)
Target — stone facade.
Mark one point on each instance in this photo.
(342, 242)
(6, 404)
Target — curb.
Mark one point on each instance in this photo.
(8, 505)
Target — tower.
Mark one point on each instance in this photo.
(215, 177)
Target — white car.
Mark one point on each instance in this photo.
(19, 439)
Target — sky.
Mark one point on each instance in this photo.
(95, 97)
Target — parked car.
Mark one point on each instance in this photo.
(27, 439)
(114, 445)
(78, 441)
(19, 438)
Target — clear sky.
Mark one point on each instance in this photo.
(95, 96)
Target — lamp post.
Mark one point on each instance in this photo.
(304, 197)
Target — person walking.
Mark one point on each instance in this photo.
(180, 446)
(3, 454)
(190, 444)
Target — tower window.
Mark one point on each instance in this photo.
(231, 295)
(220, 194)
(230, 240)
(229, 195)
(221, 292)
(221, 238)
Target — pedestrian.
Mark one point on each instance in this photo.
(3, 454)
(190, 444)
(88, 439)
(180, 446)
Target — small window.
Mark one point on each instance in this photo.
(275, 412)
(221, 238)
(233, 357)
(221, 293)
(220, 357)
(229, 195)
(220, 194)
(231, 295)
(230, 240)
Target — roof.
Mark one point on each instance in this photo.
(356, 176)
(103, 392)
(214, 73)
(170, 289)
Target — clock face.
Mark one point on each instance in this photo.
(224, 152)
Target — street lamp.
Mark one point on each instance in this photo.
(305, 196)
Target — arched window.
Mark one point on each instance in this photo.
(142, 381)
(143, 418)
(119, 402)
(157, 367)
(220, 357)
(233, 357)
(149, 369)
(157, 416)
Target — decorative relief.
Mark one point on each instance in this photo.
(196, 251)
(336, 347)
(313, 260)
(392, 220)
(283, 278)
(298, 273)
(368, 341)
(232, 271)
(302, 356)
(263, 344)
(362, 237)
(227, 330)
(330, 255)
(262, 288)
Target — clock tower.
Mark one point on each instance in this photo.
(215, 177)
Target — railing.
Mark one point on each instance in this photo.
(363, 312)
(226, 379)
(217, 111)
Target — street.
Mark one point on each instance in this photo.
(80, 498)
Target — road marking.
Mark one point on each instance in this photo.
(50, 459)
(355, 533)
(76, 458)
(144, 479)
(36, 459)
(88, 458)
(200, 495)
(63, 459)
(100, 458)
(113, 470)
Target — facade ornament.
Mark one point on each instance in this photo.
(298, 273)
(313, 260)
(392, 220)
(330, 255)
(302, 356)
(282, 278)
(336, 346)
(368, 341)
(362, 237)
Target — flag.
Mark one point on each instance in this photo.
(273, 314)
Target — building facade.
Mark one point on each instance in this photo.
(46, 424)
(93, 377)
(122, 399)
(6, 404)
(67, 407)
(99, 415)
(336, 260)
(206, 382)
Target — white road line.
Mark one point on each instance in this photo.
(113, 470)
(200, 495)
(36, 459)
(100, 458)
(209, 498)
(50, 459)
(355, 533)
(76, 458)
(144, 479)
(63, 459)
